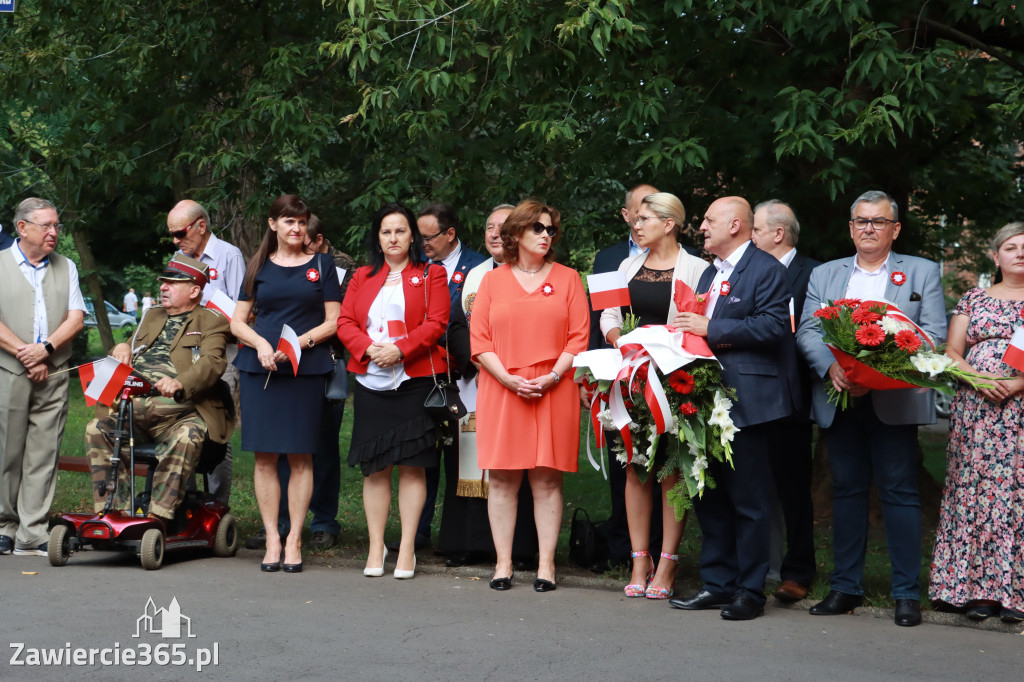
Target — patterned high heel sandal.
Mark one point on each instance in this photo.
(653, 592)
(636, 591)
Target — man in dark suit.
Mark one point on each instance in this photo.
(615, 530)
(747, 326)
(776, 231)
(876, 437)
(438, 226)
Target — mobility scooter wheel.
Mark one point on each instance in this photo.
(58, 548)
(152, 550)
(226, 542)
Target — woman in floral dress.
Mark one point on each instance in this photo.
(978, 562)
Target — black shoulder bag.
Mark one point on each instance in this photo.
(443, 403)
(336, 387)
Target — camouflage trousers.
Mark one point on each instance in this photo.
(178, 432)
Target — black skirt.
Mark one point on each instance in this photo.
(393, 427)
(285, 416)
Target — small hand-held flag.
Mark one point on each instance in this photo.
(222, 303)
(608, 290)
(1014, 355)
(792, 316)
(103, 380)
(397, 329)
(341, 274)
(290, 346)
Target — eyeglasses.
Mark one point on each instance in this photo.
(426, 239)
(539, 228)
(180, 234)
(48, 226)
(641, 219)
(875, 223)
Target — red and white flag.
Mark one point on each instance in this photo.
(397, 329)
(1014, 355)
(222, 303)
(103, 380)
(290, 346)
(608, 290)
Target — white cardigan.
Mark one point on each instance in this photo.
(688, 270)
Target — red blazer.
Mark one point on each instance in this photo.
(423, 334)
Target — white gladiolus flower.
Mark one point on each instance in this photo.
(607, 423)
(728, 431)
(694, 449)
(891, 325)
(931, 363)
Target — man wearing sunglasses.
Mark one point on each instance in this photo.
(876, 437)
(41, 310)
(438, 226)
(188, 224)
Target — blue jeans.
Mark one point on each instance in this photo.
(861, 447)
(326, 476)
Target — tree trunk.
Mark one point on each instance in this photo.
(94, 288)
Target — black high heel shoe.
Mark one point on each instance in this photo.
(274, 567)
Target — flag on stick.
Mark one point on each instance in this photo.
(608, 290)
(290, 346)
(1014, 355)
(106, 380)
(222, 303)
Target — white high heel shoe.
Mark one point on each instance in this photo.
(376, 572)
(406, 575)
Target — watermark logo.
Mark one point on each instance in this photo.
(168, 623)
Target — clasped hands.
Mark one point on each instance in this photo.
(269, 357)
(32, 355)
(528, 388)
(384, 354)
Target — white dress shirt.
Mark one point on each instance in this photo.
(868, 286)
(35, 276)
(227, 268)
(725, 268)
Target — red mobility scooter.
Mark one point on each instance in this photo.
(201, 521)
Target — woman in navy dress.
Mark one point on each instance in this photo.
(285, 283)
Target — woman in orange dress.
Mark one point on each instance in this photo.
(530, 318)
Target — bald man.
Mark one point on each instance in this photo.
(747, 326)
(188, 224)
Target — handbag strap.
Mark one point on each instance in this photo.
(430, 351)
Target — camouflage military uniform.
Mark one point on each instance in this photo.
(177, 429)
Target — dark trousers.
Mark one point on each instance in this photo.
(790, 457)
(735, 518)
(326, 476)
(448, 452)
(616, 529)
(860, 448)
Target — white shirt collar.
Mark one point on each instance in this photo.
(726, 265)
(452, 259)
(787, 260)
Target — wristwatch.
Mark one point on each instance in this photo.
(309, 341)
(49, 347)
(556, 376)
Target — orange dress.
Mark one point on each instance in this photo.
(528, 331)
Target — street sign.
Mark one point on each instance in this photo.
(6, 5)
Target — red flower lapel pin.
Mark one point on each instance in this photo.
(458, 277)
(416, 281)
(312, 275)
(547, 289)
(213, 273)
(725, 288)
(898, 278)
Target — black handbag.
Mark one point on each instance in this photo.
(336, 386)
(587, 546)
(443, 403)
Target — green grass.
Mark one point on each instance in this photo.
(586, 489)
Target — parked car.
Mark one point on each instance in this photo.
(118, 320)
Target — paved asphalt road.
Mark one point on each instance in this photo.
(332, 623)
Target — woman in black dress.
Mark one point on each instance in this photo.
(285, 283)
(394, 312)
(652, 276)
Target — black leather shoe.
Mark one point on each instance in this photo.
(541, 585)
(981, 611)
(836, 603)
(908, 613)
(292, 568)
(6, 544)
(701, 601)
(1011, 615)
(502, 584)
(743, 607)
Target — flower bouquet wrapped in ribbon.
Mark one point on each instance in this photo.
(879, 347)
(662, 383)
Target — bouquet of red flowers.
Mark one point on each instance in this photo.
(881, 348)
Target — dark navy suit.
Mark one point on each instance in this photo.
(468, 259)
(749, 332)
(5, 240)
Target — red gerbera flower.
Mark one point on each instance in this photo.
(688, 409)
(908, 341)
(828, 312)
(870, 335)
(629, 404)
(865, 315)
(681, 382)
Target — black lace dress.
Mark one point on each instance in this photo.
(650, 292)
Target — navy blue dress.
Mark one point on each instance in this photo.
(285, 416)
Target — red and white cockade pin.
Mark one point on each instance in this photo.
(898, 278)
(416, 280)
(724, 289)
(213, 273)
(547, 289)
(458, 277)
(312, 275)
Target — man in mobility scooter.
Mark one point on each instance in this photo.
(179, 347)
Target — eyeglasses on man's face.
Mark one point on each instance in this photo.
(426, 239)
(57, 227)
(180, 234)
(874, 223)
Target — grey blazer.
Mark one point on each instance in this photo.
(920, 297)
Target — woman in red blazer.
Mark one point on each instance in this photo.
(394, 313)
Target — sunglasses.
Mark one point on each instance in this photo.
(180, 234)
(539, 228)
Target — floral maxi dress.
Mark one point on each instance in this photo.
(981, 520)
